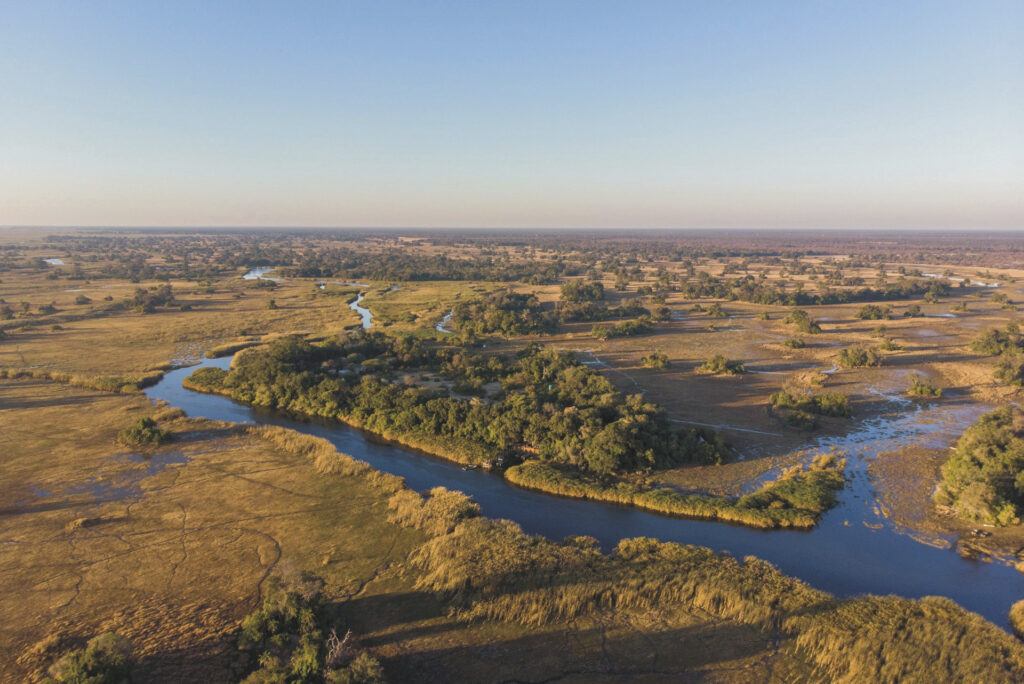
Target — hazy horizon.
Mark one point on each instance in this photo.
(746, 116)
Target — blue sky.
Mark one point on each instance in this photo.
(649, 114)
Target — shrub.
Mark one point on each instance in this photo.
(889, 344)
(834, 404)
(656, 359)
(144, 433)
(106, 659)
(858, 357)
(718, 364)
(82, 299)
(993, 341)
(764, 316)
(1010, 369)
(873, 312)
(803, 322)
(292, 636)
(795, 343)
(920, 387)
(983, 480)
(913, 311)
(716, 311)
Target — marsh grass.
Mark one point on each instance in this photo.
(123, 384)
(794, 500)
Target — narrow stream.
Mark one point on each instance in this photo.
(842, 555)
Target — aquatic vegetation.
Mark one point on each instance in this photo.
(823, 404)
(145, 432)
(795, 499)
(491, 570)
(921, 387)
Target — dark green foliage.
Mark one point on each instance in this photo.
(656, 359)
(873, 312)
(920, 387)
(913, 311)
(292, 637)
(1010, 369)
(144, 433)
(400, 264)
(550, 405)
(718, 364)
(794, 343)
(581, 291)
(106, 659)
(858, 357)
(147, 301)
(995, 341)
(82, 299)
(716, 311)
(641, 326)
(573, 312)
(505, 313)
(889, 344)
(825, 404)
(803, 322)
(795, 499)
(983, 480)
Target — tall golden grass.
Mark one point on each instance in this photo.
(123, 384)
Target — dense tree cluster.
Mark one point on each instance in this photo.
(983, 480)
(505, 313)
(550, 406)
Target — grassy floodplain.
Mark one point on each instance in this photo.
(172, 544)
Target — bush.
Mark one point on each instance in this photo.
(82, 299)
(913, 311)
(873, 312)
(1010, 369)
(983, 480)
(292, 636)
(993, 342)
(889, 344)
(655, 359)
(858, 357)
(718, 364)
(834, 404)
(794, 343)
(144, 433)
(716, 311)
(803, 322)
(106, 659)
(920, 387)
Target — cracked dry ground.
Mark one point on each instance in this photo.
(171, 550)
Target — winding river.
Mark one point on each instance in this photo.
(842, 555)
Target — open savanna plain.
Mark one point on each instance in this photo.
(172, 544)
